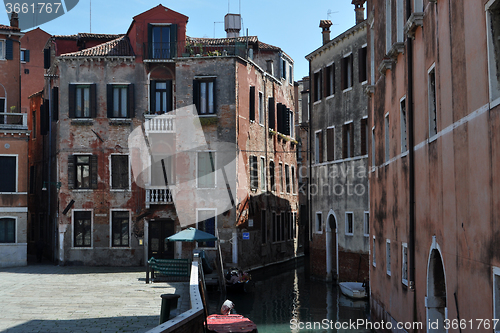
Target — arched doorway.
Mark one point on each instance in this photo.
(436, 290)
(331, 248)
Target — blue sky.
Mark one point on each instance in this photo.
(292, 25)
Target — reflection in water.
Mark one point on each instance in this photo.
(291, 295)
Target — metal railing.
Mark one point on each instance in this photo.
(13, 120)
(167, 51)
(158, 195)
(159, 124)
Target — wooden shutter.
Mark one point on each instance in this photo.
(149, 52)
(351, 131)
(27, 55)
(320, 145)
(196, 95)
(152, 96)
(169, 106)
(252, 103)
(93, 101)
(109, 94)
(9, 49)
(343, 71)
(271, 113)
(330, 144)
(44, 117)
(215, 95)
(71, 171)
(93, 172)
(46, 58)
(286, 114)
(173, 41)
(344, 141)
(71, 100)
(364, 150)
(351, 65)
(55, 103)
(130, 101)
(278, 116)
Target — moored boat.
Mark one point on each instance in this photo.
(230, 323)
(353, 289)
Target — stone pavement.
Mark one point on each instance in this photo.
(52, 299)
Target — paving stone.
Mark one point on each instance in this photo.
(46, 298)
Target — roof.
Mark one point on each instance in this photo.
(231, 40)
(7, 27)
(116, 47)
(353, 30)
(84, 35)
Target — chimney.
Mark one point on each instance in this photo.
(232, 25)
(14, 20)
(325, 25)
(359, 9)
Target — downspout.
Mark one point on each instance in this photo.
(411, 160)
(309, 206)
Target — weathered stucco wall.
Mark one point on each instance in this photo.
(339, 185)
(455, 171)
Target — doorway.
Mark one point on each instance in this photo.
(436, 293)
(159, 248)
(331, 248)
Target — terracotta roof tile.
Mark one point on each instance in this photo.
(6, 27)
(116, 47)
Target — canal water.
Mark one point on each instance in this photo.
(290, 301)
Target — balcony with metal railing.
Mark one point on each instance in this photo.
(10, 120)
(158, 195)
(166, 52)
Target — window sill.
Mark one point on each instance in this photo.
(366, 235)
(120, 121)
(317, 102)
(120, 190)
(85, 121)
(374, 265)
(82, 248)
(330, 97)
(388, 273)
(385, 65)
(416, 19)
(82, 190)
(207, 115)
(347, 89)
(348, 234)
(120, 248)
(433, 138)
(405, 282)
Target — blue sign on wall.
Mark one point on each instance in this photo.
(246, 235)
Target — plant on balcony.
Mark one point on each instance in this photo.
(272, 132)
(214, 53)
(13, 109)
(206, 121)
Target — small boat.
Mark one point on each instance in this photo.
(230, 323)
(240, 287)
(353, 289)
(238, 281)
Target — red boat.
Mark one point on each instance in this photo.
(230, 323)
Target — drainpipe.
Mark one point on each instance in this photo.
(310, 158)
(411, 160)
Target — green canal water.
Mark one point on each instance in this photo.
(290, 301)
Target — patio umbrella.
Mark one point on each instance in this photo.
(192, 235)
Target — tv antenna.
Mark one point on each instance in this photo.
(329, 14)
(214, 26)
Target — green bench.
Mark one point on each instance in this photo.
(168, 270)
